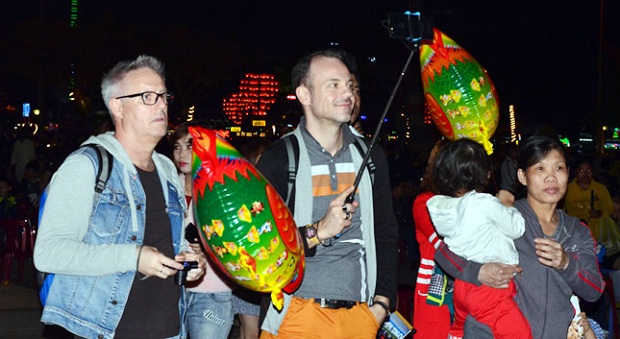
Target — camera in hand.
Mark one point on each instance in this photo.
(181, 275)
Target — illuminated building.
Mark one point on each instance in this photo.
(247, 110)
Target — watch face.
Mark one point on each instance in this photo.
(310, 232)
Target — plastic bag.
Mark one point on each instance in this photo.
(609, 235)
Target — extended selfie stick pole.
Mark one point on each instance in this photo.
(351, 197)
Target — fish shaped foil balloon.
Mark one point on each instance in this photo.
(244, 224)
(459, 94)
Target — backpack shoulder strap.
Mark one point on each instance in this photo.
(104, 169)
(362, 148)
(104, 163)
(292, 152)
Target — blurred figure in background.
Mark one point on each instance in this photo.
(590, 201)
(508, 171)
(8, 201)
(23, 152)
(586, 198)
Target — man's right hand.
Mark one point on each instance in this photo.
(498, 275)
(335, 219)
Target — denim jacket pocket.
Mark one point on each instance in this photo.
(110, 213)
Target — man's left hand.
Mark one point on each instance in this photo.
(379, 313)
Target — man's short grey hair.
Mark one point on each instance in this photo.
(112, 79)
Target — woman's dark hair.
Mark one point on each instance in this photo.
(427, 184)
(180, 132)
(535, 148)
(461, 166)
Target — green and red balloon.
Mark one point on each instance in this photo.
(243, 222)
(459, 93)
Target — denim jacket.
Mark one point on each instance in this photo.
(95, 264)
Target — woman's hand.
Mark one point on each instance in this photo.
(195, 247)
(498, 275)
(582, 321)
(196, 273)
(550, 253)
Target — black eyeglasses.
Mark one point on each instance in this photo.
(150, 98)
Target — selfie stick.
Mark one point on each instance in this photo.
(351, 197)
(412, 29)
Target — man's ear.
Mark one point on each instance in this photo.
(303, 95)
(521, 177)
(116, 107)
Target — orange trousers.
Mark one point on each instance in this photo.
(306, 319)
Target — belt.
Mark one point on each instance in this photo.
(335, 304)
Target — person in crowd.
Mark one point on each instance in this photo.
(431, 320)
(253, 150)
(23, 151)
(402, 199)
(30, 188)
(400, 160)
(615, 215)
(356, 123)
(588, 199)
(115, 254)
(208, 301)
(556, 253)
(471, 222)
(508, 170)
(246, 305)
(5, 149)
(349, 283)
(8, 201)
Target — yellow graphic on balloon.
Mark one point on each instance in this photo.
(253, 235)
(244, 214)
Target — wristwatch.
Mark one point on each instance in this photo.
(310, 233)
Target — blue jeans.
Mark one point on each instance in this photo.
(208, 315)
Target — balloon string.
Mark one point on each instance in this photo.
(351, 197)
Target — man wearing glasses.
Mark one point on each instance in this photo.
(114, 253)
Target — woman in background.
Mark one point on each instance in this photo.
(430, 320)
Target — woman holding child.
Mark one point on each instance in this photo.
(556, 252)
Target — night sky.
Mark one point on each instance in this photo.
(541, 55)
